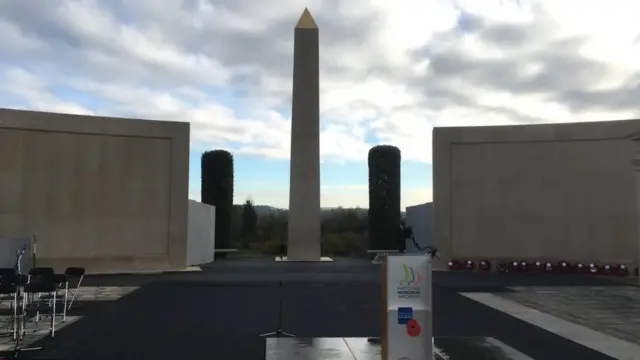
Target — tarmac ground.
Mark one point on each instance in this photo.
(220, 312)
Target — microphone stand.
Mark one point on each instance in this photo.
(280, 333)
(430, 250)
(33, 256)
(17, 350)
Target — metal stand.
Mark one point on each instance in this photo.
(280, 333)
(33, 257)
(379, 259)
(17, 350)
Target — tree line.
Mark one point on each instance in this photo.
(345, 232)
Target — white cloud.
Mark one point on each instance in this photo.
(390, 71)
(29, 86)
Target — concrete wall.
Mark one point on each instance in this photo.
(553, 191)
(201, 233)
(107, 194)
(420, 217)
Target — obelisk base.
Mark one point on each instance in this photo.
(286, 259)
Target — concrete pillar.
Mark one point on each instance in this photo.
(304, 192)
(636, 168)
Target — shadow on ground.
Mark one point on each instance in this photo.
(219, 313)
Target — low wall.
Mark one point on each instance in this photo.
(201, 233)
(420, 218)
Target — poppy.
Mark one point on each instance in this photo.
(413, 328)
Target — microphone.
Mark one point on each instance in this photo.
(432, 251)
(21, 251)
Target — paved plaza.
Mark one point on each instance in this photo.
(612, 310)
(220, 312)
(89, 297)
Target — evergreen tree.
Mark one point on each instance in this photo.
(249, 228)
(217, 190)
(384, 197)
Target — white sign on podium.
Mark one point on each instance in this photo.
(409, 318)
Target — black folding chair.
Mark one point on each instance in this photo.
(35, 273)
(74, 276)
(60, 280)
(7, 271)
(9, 292)
(61, 283)
(42, 290)
(41, 271)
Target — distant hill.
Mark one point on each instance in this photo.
(266, 210)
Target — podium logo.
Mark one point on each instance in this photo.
(409, 286)
(404, 315)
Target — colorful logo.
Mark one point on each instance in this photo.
(411, 277)
(409, 286)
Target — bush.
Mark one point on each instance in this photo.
(349, 244)
(273, 246)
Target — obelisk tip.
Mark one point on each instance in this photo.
(306, 21)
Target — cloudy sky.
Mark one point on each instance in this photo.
(391, 71)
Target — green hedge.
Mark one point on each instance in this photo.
(384, 196)
(217, 190)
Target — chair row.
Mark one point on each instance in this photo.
(38, 294)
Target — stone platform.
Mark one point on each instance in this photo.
(447, 348)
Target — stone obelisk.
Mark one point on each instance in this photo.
(304, 186)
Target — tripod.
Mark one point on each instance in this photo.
(429, 250)
(280, 333)
(19, 313)
(33, 257)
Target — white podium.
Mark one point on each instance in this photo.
(407, 319)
